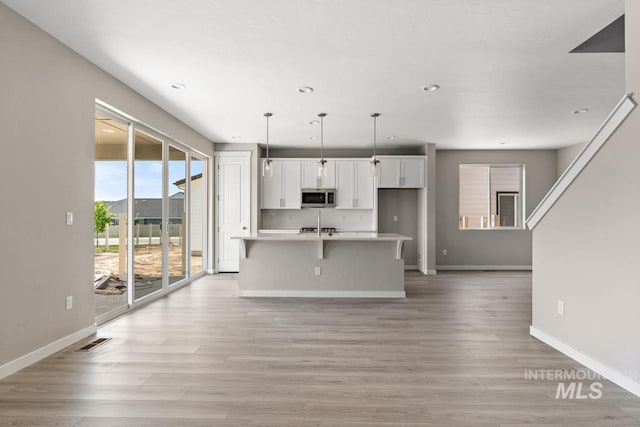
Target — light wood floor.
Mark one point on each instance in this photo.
(453, 353)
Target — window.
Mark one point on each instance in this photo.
(491, 197)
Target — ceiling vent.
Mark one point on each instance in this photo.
(607, 40)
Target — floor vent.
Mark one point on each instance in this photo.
(94, 344)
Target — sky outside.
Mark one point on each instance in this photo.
(111, 178)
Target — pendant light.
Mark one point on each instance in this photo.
(322, 170)
(267, 169)
(374, 160)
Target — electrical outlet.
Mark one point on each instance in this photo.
(318, 271)
(395, 218)
(561, 308)
(69, 218)
(69, 302)
(444, 252)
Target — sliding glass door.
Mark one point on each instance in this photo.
(177, 223)
(148, 261)
(110, 220)
(198, 214)
(151, 213)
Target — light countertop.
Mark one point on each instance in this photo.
(344, 236)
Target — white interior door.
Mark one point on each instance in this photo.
(234, 206)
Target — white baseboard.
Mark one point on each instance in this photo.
(323, 294)
(410, 267)
(485, 267)
(611, 374)
(432, 272)
(210, 271)
(46, 351)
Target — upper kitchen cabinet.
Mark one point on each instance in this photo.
(282, 190)
(310, 178)
(354, 184)
(401, 172)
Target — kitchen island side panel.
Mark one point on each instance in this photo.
(347, 266)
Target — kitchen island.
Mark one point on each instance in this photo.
(332, 265)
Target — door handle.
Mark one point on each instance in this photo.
(244, 228)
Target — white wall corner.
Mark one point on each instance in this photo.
(46, 351)
(607, 372)
(589, 151)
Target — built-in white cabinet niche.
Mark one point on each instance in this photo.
(401, 172)
(282, 190)
(354, 184)
(310, 178)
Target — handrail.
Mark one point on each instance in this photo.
(602, 135)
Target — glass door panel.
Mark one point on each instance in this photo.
(110, 215)
(177, 225)
(198, 214)
(147, 226)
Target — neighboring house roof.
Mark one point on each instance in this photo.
(180, 182)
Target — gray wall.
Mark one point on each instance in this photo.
(566, 155)
(47, 111)
(487, 248)
(404, 205)
(430, 151)
(586, 247)
(632, 39)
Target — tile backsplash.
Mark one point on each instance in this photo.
(342, 219)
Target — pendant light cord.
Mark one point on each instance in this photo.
(322, 116)
(375, 116)
(267, 115)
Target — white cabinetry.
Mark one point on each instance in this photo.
(282, 190)
(310, 177)
(401, 172)
(354, 184)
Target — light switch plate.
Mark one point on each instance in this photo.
(69, 218)
(561, 308)
(69, 302)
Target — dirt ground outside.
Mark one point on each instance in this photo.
(147, 261)
(147, 269)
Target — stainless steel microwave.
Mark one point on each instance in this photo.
(318, 198)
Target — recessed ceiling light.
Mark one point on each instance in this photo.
(236, 137)
(108, 131)
(390, 138)
(580, 111)
(430, 88)
(314, 122)
(305, 89)
(178, 86)
(313, 137)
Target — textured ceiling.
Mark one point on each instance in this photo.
(503, 66)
